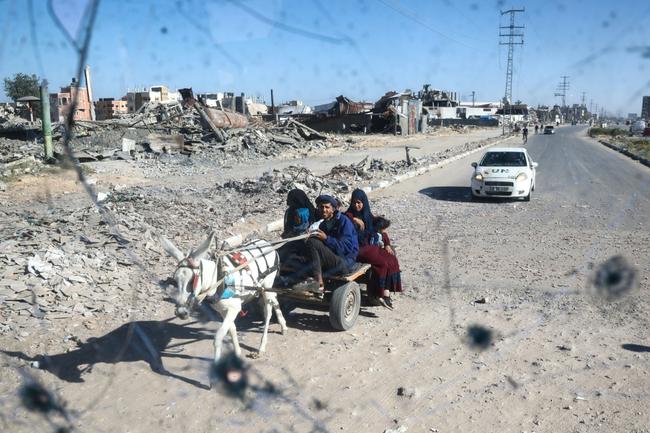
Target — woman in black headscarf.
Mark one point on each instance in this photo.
(299, 215)
(375, 249)
(359, 213)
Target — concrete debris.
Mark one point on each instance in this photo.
(158, 130)
(11, 120)
(16, 165)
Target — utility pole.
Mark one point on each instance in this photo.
(45, 121)
(514, 35)
(562, 88)
(473, 94)
(272, 103)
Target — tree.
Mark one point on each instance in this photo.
(22, 85)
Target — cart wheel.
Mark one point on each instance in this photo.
(344, 306)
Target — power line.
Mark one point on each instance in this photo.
(415, 17)
(562, 88)
(515, 36)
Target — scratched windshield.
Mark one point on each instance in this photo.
(266, 216)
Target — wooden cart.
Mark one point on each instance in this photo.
(342, 295)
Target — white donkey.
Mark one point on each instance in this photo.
(228, 283)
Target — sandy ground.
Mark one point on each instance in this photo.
(548, 354)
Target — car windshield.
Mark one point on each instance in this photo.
(549, 128)
(504, 159)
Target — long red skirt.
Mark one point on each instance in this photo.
(385, 273)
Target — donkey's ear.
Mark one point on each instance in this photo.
(203, 248)
(171, 249)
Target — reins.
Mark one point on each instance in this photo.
(281, 242)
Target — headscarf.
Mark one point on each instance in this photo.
(296, 198)
(364, 215)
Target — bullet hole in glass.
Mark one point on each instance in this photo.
(479, 337)
(230, 374)
(36, 398)
(614, 278)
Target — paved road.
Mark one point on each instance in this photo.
(572, 169)
(533, 262)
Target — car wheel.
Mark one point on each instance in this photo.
(530, 191)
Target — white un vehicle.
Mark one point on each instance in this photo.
(504, 172)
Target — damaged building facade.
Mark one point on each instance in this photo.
(109, 108)
(236, 103)
(61, 103)
(135, 99)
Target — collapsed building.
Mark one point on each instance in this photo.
(342, 115)
(445, 108)
(237, 103)
(514, 113)
(400, 113)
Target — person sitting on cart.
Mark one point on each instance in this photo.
(300, 214)
(375, 249)
(333, 247)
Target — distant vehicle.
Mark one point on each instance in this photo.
(548, 129)
(504, 172)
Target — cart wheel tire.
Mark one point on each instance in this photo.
(344, 306)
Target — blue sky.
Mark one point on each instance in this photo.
(314, 50)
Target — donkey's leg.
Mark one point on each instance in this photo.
(229, 311)
(273, 300)
(235, 339)
(267, 320)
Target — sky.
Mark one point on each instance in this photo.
(315, 50)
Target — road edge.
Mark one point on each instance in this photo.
(625, 152)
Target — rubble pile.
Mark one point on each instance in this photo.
(55, 266)
(157, 148)
(13, 150)
(10, 120)
(160, 138)
(280, 182)
(67, 263)
(262, 195)
(271, 141)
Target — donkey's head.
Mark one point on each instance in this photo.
(187, 275)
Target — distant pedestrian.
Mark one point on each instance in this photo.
(524, 134)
